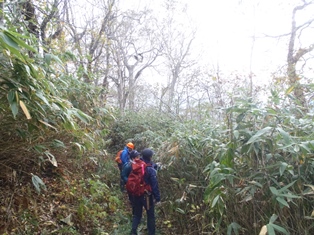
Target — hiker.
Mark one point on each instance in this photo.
(148, 199)
(122, 158)
(127, 168)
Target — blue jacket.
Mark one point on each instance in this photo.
(126, 170)
(151, 179)
(125, 156)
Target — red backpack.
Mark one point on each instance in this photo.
(136, 185)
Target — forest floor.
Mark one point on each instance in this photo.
(77, 200)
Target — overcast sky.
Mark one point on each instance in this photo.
(237, 34)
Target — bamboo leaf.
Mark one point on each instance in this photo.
(282, 168)
(280, 229)
(50, 57)
(48, 125)
(270, 229)
(233, 227)
(282, 201)
(25, 110)
(258, 134)
(58, 144)
(273, 190)
(82, 116)
(8, 43)
(180, 211)
(285, 136)
(51, 158)
(14, 109)
(40, 95)
(213, 172)
(215, 200)
(263, 230)
(289, 195)
(38, 183)
(14, 37)
(256, 183)
(289, 90)
(11, 96)
(286, 187)
(273, 218)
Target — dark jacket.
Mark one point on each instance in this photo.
(151, 179)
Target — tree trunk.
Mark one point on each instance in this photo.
(293, 58)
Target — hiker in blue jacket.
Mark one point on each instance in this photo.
(125, 158)
(147, 200)
(125, 155)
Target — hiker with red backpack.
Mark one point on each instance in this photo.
(143, 190)
(127, 168)
(122, 158)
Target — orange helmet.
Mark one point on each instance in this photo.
(130, 145)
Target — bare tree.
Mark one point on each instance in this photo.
(294, 55)
(134, 49)
(177, 40)
(90, 39)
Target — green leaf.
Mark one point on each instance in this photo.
(39, 148)
(270, 229)
(82, 116)
(11, 96)
(282, 201)
(8, 43)
(233, 227)
(273, 218)
(50, 57)
(280, 229)
(58, 144)
(213, 172)
(282, 168)
(285, 136)
(305, 146)
(296, 148)
(256, 183)
(14, 37)
(255, 137)
(286, 187)
(41, 96)
(273, 190)
(14, 108)
(215, 201)
(288, 195)
(180, 211)
(236, 134)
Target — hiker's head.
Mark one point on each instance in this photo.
(134, 154)
(147, 154)
(130, 146)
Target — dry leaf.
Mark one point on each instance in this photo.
(263, 230)
(25, 110)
